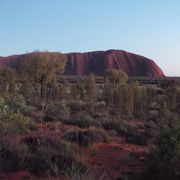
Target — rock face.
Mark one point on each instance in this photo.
(98, 62)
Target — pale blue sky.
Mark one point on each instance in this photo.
(147, 27)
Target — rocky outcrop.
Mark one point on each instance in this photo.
(98, 62)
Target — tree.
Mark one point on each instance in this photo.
(124, 100)
(62, 91)
(141, 102)
(91, 90)
(7, 79)
(107, 93)
(52, 91)
(41, 68)
(163, 162)
(116, 77)
(74, 91)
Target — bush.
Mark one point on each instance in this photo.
(12, 154)
(120, 127)
(41, 156)
(3, 109)
(82, 122)
(131, 133)
(86, 137)
(51, 157)
(163, 161)
(11, 119)
(16, 103)
(57, 110)
(76, 106)
(135, 137)
(16, 123)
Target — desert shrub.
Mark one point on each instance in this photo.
(85, 137)
(163, 161)
(16, 103)
(120, 127)
(12, 154)
(135, 137)
(76, 106)
(64, 147)
(56, 111)
(11, 119)
(40, 155)
(131, 134)
(53, 165)
(3, 109)
(49, 156)
(16, 123)
(83, 122)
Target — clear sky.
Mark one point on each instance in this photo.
(147, 27)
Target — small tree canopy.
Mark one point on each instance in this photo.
(41, 67)
(116, 76)
(7, 79)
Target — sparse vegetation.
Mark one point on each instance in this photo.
(83, 122)
(85, 137)
(163, 161)
(88, 112)
(41, 156)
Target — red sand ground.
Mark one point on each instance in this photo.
(113, 159)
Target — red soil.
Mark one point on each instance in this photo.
(114, 159)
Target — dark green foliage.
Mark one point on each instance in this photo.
(82, 122)
(123, 100)
(131, 134)
(7, 79)
(41, 156)
(56, 111)
(135, 137)
(41, 68)
(163, 162)
(116, 125)
(11, 119)
(11, 154)
(17, 103)
(116, 77)
(76, 107)
(16, 123)
(91, 92)
(51, 157)
(86, 137)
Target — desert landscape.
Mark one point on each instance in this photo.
(89, 90)
(57, 122)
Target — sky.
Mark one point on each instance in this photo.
(147, 27)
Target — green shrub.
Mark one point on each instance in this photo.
(85, 137)
(16, 103)
(41, 156)
(163, 161)
(131, 133)
(56, 111)
(82, 122)
(12, 154)
(16, 123)
(3, 109)
(135, 137)
(120, 127)
(47, 156)
(11, 118)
